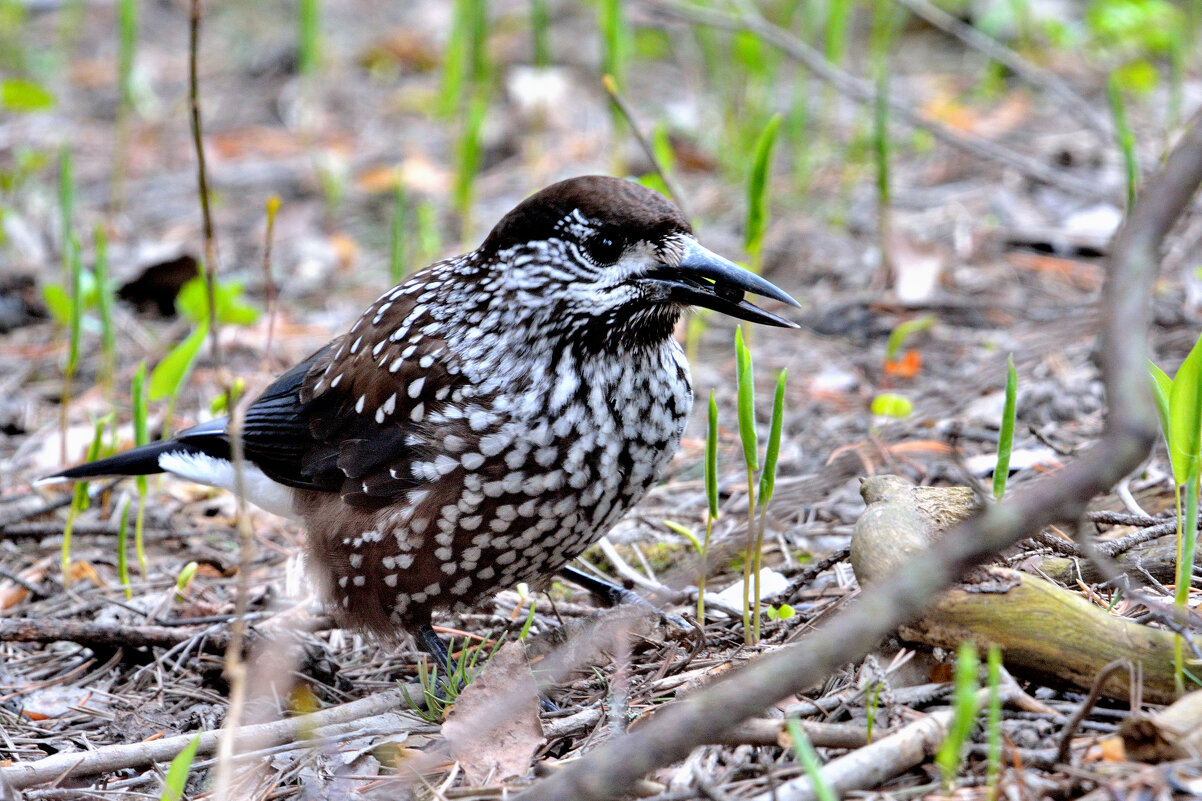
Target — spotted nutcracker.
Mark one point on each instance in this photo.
(487, 419)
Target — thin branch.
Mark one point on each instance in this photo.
(122, 756)
(997, 51)
(864, 93)
(202, 180)
(1131, 429)
(611, 87)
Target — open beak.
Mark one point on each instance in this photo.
(703, 278)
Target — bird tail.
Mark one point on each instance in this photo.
(136, 462)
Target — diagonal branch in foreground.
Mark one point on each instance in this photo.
(863, 92)
(1131, 428)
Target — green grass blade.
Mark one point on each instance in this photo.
(1187, 540)
(1005, 445)
(951, 751)
(397, 238)
(1162, 389)
(903, 331)
(123, 550)
(169, 374)
(757, 190)
(106, 302)
(1123, 134)
(711, 457)
(309, 36)
(993, 725)
(540, 21)
(804, 752)
(746, 402)
(772, 452)
(1185, 414)
(141, 437)
(66, 200)
(177, 774)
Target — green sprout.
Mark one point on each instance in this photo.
(1005, 443)
(903, 331)
(79, 500)
(177, 774)
(756, 502)
(872, 704)
(184, 580)
(122, 550)
(1124, 135)
(890, 404)
(950, 755)
(309, 36)
(106, 302)
(757, 195)
(440, 696)
(540, 22)
(711, 497)
(803, 751)
(993, 724)
(1179, 404)
(141, 437)
(397, 239)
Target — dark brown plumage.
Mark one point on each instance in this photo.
(486, 420)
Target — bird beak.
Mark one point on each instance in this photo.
(703, 278)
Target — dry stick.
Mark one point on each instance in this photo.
(103, 635)
(202, 180)
(864, 93)
(112, 758)
(1131, 429)
(884, 758)
(1095, 692)
(1020, 66)
(611, 87)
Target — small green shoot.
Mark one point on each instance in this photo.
(141, 437)
(782, 612)
(465, 62)
(469, 157)
(540, 22)
(66, 202)
(309, 37)
(79, 500)
(397, 236)
(767, 487)
(184, 580)
(711, 497)
(74, 334)
(440, 696)
(106, 302)
(903, 331)
(872, 704)
(803, 751)
(757, 501)
(1123, 134)
(192, 302)
(993, 725)
(23, 96)
(964, 712)
(747, 435)
(177, 774)
(1179, 402)
(889, 404)
(127, 38)
(757, 194)
(122, 550)
(169, 374)
(1005, 443)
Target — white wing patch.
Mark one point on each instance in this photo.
(258, 488)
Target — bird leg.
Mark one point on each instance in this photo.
(605, 592)
(428, 641)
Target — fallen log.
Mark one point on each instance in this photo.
(1044, 630)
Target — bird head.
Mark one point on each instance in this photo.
(602, 258)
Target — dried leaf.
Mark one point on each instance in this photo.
(494, 728)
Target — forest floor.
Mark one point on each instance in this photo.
(995, 261)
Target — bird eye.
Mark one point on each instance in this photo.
(604, 249)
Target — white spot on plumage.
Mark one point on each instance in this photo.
(359, 404)
(418, 412)
(415, 387)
